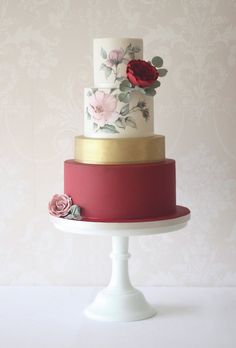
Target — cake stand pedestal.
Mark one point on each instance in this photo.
(120, 301)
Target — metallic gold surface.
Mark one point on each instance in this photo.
(122, 150)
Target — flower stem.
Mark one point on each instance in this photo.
(115, 73)
(133, 109)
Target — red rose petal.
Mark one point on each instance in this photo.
(141, 73)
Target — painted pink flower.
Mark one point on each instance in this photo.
(60, 205)
(102, 107)
(115, 57)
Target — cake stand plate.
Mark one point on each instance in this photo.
(120, 301)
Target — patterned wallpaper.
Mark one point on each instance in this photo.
(45, 62)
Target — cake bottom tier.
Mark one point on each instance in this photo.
(122, 192)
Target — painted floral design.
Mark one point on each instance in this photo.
(140, 76)
(102, 111)
(102, 108)
(114, 58)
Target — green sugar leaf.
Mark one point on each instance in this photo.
(157, 61)
(150, 91)
(162, 72)
(125, 85)
(155, 85)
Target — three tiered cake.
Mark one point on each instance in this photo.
(119, 172)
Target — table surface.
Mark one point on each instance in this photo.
(43, 317)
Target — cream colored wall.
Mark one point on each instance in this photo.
(45, 61)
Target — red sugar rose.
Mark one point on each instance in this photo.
(141, 73)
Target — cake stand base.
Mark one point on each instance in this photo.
(120, 301)
(125, 306)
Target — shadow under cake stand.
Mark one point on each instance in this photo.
(120, 301)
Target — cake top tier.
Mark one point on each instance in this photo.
(110, 56)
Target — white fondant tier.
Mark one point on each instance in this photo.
(106, 116)
(110, 58)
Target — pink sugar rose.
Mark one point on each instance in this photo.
(115, 57)
(102, 107)
(60, 205)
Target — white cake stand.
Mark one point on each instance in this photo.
(120, 301)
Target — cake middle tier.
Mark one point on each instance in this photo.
(117, 151)
(111, 113)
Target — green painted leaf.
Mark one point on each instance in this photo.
(103, 53)
(130, 122)
(94, 90)
(145, 113)
(89, 93)
(141, 104)
(136, 49)
(127, 49)
(124, 110)
(106, 69)
(120, 123)
(125, 85)
(120, 78)
(95, 126)
(88, 114)
(112, 90)
(157, 61)
(108, 72)
(124, 97)
(109, 128)
(131, 55)
(162, 72)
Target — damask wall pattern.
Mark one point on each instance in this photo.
(45, 62)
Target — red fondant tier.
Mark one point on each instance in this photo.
(122, 192)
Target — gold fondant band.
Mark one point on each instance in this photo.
(116, 151)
